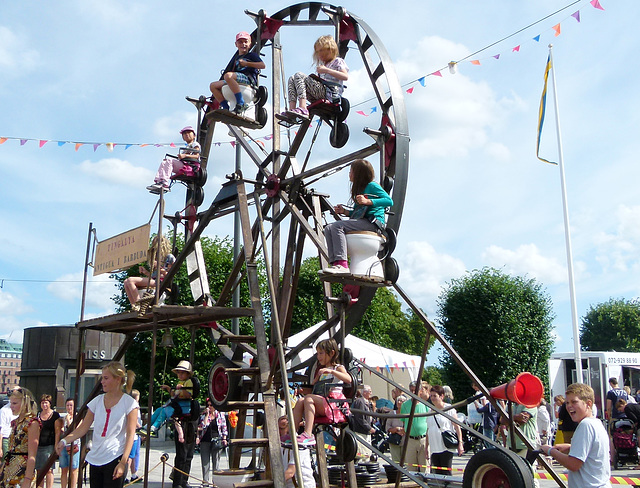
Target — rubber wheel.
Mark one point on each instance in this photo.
(196, 196)
(345, 106)
(346, 446)
(262, 96)
(261, 116)
(392, 240)
(223, 387)
(494, 468)
(339, 135)
(201, 178)
(391, 270)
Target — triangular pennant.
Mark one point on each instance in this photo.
(172, 145)
(43, 142)
(109, 146)
(435, 73)
(23, 141)
(360, 112)
(78, 144)
(476, 62)
(127, 146)
(96, 146)
(421, 80)
(269, 137)
(596, 4)
(374, 110)
(537, 38)
(410, 90)
(497, 56)
(233, 143)
(516, 49)
(61, 143)
(3, 140)
(144, 145)
(576, 15)
(557, 29)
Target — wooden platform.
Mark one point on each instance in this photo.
(359, 280)
(167, 316)
(229, 117)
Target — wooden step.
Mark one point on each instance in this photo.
(248, 405)
(257, 442)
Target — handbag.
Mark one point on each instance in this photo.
(449, 437)
(395, 439)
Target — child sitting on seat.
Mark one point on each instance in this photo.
(331, 69)
(316, 403)
(180, 402)
(243, 69)
(189, 156)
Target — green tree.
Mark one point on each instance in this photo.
(384, 323)
(499, 325)
(612, 326)
(218, 256)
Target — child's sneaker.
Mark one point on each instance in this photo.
(240, 108)
(305, 439)
(143, 432)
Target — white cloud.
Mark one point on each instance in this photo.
(618, 251)
(11, 305)
(118, 171)
(423, 272)
(526, 260)
(99, 291)
(15, 57)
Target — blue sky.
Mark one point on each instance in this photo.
(119, 71)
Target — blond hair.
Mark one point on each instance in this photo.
(27, 401)
(582, 391)
(127, 377)
(323, 43)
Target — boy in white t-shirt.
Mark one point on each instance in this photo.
(587, 457)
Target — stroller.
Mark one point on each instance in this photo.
(625, 443)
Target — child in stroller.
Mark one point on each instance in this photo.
(625, 442)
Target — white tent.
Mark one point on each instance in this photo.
(399, 367)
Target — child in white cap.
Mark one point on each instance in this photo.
(243, 69)
(180, 400)
(186, 163)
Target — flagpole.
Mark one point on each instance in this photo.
(567, 232)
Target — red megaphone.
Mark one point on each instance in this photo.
(526, 389)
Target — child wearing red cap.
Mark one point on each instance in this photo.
(187, 161)
(243, 69)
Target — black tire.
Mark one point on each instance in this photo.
(339, 135)
(262, 95)
(195, 195)
(223, 387)
(493, 468)
(345, 106)
(262, 116)
(391, 270)
(201, 177)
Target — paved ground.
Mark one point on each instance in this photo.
(160, 447)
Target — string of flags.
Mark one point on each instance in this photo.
(259, 141)
(387, 367)
(451, 67)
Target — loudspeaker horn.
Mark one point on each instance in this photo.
(526, 389)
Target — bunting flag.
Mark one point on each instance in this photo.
(541, 112)
(478, 62)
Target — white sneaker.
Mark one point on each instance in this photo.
(336, 269)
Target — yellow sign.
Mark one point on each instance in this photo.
(122, 251)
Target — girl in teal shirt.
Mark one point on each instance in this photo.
(370, 202)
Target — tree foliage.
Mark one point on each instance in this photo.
(384, 323)
(612, 326)
(498, 324)
(218, 256)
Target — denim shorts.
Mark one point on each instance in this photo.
(64, 459)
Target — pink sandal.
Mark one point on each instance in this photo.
(301, 111)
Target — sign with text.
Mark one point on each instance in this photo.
(122, 251)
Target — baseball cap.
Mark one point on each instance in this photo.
(187, 129)
(243, 35)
